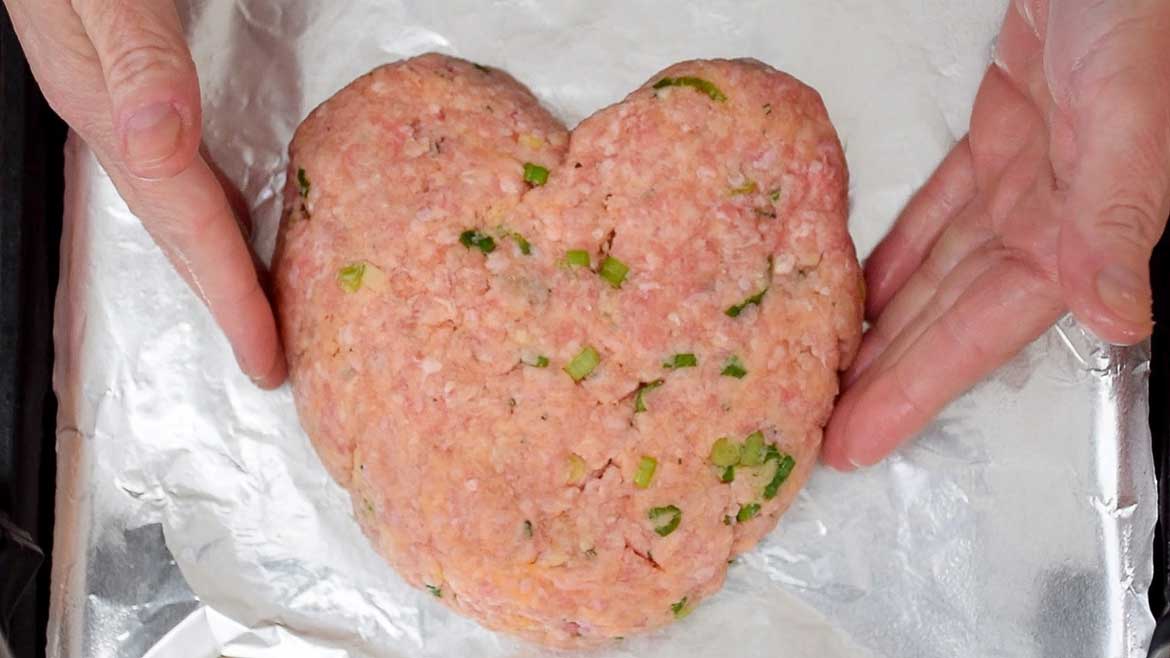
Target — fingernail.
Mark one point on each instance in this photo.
(152, 134)
(1123, 291)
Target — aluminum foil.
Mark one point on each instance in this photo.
(195, 520)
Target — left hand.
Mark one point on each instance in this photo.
(1053, 202)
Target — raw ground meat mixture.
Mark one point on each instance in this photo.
(567, 376)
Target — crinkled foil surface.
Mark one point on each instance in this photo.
(195, 520)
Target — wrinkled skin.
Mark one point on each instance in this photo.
(1052, 203)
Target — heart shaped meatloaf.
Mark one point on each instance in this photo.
(566, 376)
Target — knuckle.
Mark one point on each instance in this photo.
(143, 62)
(1133, 223)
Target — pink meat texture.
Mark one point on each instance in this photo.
(440, 323)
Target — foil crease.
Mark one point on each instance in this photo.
(194, 519)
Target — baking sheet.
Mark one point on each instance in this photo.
(195, 520)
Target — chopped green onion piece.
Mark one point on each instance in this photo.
(749, 187)
(639, 403)
(482, 241)
(645, 473)
(583, 364)
(535, 174)
(350, 276)
(784, 466)
(698, 84)
(528, 528)
(725, 452)
(733, 368)
(577, 257)
(728, 475)
(683, 360)
(680, 608)
(524, 245)
(303, 183)
(614, 271)
(747, 512)
(539, 362)
(436, 591)
(734, 311)
(666, 519)
(753, 450)
(774, 195)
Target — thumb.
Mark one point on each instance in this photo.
(1119, 189)
(151, 81)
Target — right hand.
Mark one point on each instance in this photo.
(1052, 203)
(120, 73)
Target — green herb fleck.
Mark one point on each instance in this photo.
(482, 241)
(728, 475)
(535, 174)
(727, 520)
(645, 473)
(303, 183)
(577, 258)
(748, 187)
(734, 311)
(680, 608)
(747, 512)
(583, 364)
(682, 360)
(774, 195)
(539, 362)
(614, 271)
(733, 368)
(753, 450)
(698, 84)
(639, 403)
(350, 276)
(436, 591)
(725, 452)
(528, 528)
(524, 245)
(665, 519)
(784, 466)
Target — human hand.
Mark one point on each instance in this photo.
(119, 72)
(1053, 202)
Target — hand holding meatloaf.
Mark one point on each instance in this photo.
(566, 377)
(1051, 204)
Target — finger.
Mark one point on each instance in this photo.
(151, 81)
(190, 218)
(62, 59)
(1005, 309)
(892, 263)
(1118, 201)
(926, 287)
